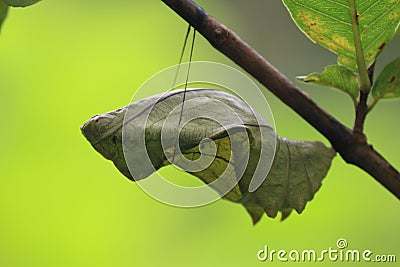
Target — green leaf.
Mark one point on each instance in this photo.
(388, 83)
(296, 172)
(335, 76)
(3, 12)
(21, 3)
(329, 23)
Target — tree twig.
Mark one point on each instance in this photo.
(361, 114)
(352, 150)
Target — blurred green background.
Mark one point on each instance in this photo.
(62, 204)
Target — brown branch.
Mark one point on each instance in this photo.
(352, 150)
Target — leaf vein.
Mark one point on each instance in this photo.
(308, 180)
(378, 18)
(338, 3)
(286, 194)
(331, 40)
(322, 13)
(380, 35)
(370, 7)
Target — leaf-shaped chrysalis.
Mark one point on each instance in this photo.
(297, 170)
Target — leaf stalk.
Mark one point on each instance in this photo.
(365, 84)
